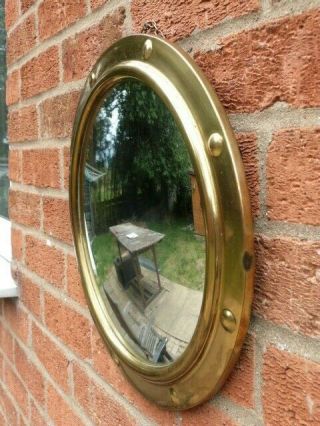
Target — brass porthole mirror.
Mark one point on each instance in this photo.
(161, 221)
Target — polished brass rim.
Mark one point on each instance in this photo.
(225, 312)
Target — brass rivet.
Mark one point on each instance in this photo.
(228, 320)
(215, 144)
(174, 396)
(93, 77)
(147, 49)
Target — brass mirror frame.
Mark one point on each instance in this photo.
(223, 321)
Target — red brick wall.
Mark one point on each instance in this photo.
(262, 56)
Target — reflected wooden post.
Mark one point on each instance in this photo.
(156, 265)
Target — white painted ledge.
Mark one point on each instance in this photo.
(8, 287)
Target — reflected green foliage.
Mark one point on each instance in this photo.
(136, 138)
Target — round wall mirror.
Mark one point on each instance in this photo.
(161, 221)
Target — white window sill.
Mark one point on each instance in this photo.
(8, 287)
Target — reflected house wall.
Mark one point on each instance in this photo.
(262, 58)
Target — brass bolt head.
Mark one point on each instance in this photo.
(147, 49)
(228, 320)
(215, 144)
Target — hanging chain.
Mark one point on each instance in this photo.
(151, 27)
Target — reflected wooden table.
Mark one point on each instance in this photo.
(137, 240)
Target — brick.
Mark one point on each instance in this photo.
(82, 386)
(106, 407)
(23, 125)
(112, 374)
(41, 167)
(55, 15)
(205, 415)
(17, 319)
(13, 88)
(249, 153)
(240, 384)
(30, 375)
(66, 165)
(15, 165)
(26, 4)
(68, 325)
(53, 359)
(60, 411)
(287, 287)
(40, 73)
(177, 20)
(291, 395)
(97, 3)
(24, 208)
(6, 343)
(57, 115)
(30, 295)
(8, 408)
(82, 50)
(56, 218)
(16, 388)
(21, 40)
(293, 176)
(45, 261)
(36, 417)
(74, 285)
(11, 12)
(275, 62)
(17, 243)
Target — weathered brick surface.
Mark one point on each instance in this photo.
(36, 418)
(287, 287)
(21, 40)
(61, 413)
(54, 15)
(23, 125)
(17, 243)
(291, 395)
(56, 218)
(179, 19)
(8, 407)
(81, 51)
(17, 319)
(74, 286)
(77, 334)
(16, 388)
(41, 167)
(30, 295)
(249, 153)
(275, 62)
(45, 260)
(11, 12)
(6, 341)
(30, 375)
(15, 165)
(293, 176)
(13, 87)
(240, 384)
(205, 415)
(24, 208)
(97, 3)
(26, 4)
(40, 73)
(57, 115)
(53, 359)
(66, 166)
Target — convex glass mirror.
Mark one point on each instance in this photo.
(161, 221)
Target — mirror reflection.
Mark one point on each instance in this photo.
(144, 222)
